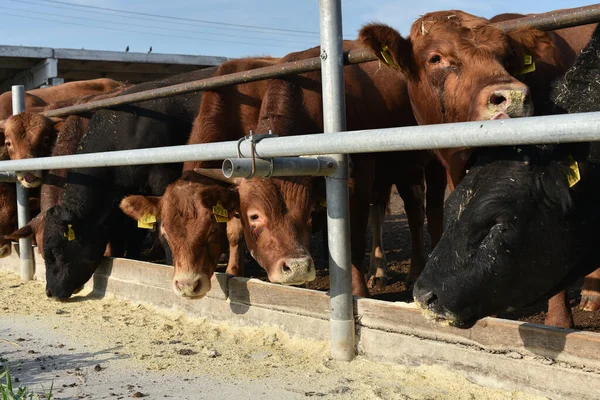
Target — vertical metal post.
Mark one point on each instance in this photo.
(25, 250)
(338, 216)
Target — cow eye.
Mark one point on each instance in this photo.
(435, 59)
(8, 143)
(254, 217)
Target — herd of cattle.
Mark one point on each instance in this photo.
(519, 223)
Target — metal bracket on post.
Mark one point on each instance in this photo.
(253, 140)
(279, 166)
(248, 168)
(23, 215)
(338, 212)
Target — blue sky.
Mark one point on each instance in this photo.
(62, 24)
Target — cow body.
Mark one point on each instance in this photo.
(53, 94)
(522, 224)
(77, 230)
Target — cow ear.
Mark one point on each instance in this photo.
(387, 44)
(221, 200)
(528, 42)
(22, 233)
(28, 230)
(138, 206)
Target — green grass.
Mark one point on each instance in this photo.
(8, 392)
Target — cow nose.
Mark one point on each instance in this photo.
(189, 287)
(297, 270)
(5, 251)
(423, 296)
(510, 103)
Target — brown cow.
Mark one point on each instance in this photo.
(195, 234)
(36, 98)
(433, 61)
(30, 134)
(53, 94)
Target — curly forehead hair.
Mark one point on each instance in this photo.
(475, 32)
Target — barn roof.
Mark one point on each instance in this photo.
(37, 66)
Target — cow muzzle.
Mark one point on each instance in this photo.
(294, 271)
(499, 102)
(5, 250)
(193, 286)
(433, 309)
(30, 179)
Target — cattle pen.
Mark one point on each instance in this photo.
(565, 363)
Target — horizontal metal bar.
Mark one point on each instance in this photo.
(281, 166)
(8, 177)
(582, 127)
(556, 19)
(552, 20)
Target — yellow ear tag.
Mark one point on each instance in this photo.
(323, 203)
(70, 233)
(221, 214)
(528, 65)
(387, 57)
(147, 221)
(574, 176)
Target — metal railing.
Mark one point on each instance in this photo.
(549, 129)
(547, 21)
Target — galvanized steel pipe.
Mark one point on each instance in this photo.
(555, 19)
(8, 177)
(23, 214)
(584, 127)
(338, 215)
(547, 21)
(279, 166)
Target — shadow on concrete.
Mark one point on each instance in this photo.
(545, 341)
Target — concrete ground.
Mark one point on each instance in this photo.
(110, 349)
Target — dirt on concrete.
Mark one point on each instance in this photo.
(96, 348)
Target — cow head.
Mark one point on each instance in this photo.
(30, 135)
(192, 216)
(73, 249)
(456, 66)
(512, 233)
(276, 217)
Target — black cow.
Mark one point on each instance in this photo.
(78, 229)
(523, 223)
